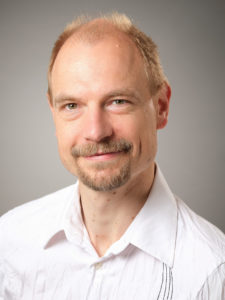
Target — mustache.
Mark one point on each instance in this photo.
(102, 147)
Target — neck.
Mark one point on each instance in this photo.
(107, 215)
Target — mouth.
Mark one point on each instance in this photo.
(102, 151)
(103, 156)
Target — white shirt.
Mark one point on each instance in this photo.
(168, 252)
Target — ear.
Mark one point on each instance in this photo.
(49, 101)
(51, 107)
(163, 101)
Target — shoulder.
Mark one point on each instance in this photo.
(214, 286)
(200, 232)
(39, 207)
(200, 250)
(27, 222)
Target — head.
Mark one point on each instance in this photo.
(108, 96)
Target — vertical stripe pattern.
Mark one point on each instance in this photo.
(166, 288)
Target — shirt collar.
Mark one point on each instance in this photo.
(67, 223)
(153, 230)
(155, 227)
(59, 217)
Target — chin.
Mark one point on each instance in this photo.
(105, 179)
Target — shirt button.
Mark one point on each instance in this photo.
(98, 265)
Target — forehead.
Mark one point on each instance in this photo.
(113, 58)
(105, 38)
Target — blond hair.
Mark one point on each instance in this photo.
(93, 30)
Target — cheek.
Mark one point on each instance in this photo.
(135, 129)
(127, 128)
(66, 136)
(147, 135)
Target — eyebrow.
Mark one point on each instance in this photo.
(63, 97)
(115, 93)
(124, 92)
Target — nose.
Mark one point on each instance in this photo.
(97, 126)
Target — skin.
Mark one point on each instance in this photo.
(100, 93)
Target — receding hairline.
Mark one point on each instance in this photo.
(93, 30)
(92, 34)
(121, 43)
(96, 30)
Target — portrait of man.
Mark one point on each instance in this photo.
(119, 232)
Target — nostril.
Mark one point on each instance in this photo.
(98, 131)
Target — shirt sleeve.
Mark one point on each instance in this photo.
(214, 286)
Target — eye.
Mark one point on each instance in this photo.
(71, 106)
(120, 105)
(119, 101)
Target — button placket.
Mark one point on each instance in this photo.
(98, 265)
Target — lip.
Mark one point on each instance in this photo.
(103, 156)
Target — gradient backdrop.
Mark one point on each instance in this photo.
(191, 39)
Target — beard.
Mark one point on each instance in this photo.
(105, 175)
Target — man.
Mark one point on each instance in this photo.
(119, 233)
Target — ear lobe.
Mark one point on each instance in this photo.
(163, 101)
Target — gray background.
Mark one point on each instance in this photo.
(191, 39)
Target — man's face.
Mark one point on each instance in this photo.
(105, 117)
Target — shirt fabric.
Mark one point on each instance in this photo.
(168, 252)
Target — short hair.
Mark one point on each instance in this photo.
(145, 45)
